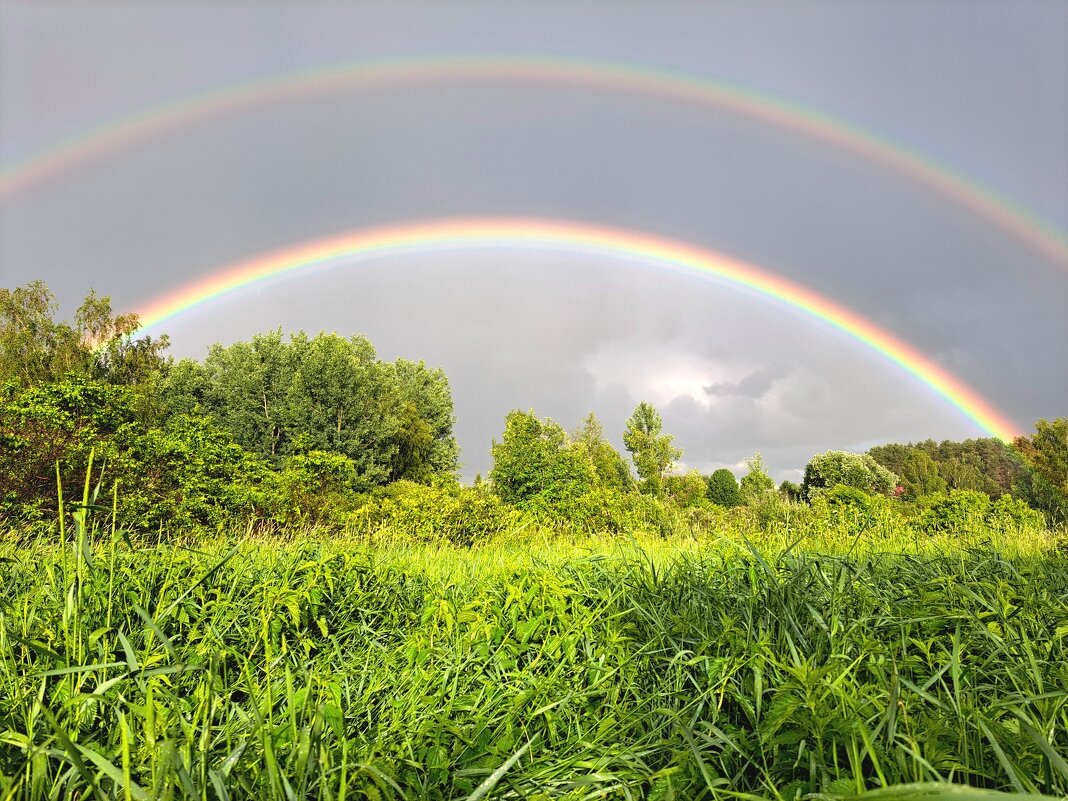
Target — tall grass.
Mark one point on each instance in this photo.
(533, 667)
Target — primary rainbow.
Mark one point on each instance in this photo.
(536, 234)
(980, 200)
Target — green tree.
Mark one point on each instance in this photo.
(861, 471)
(185, 389)
(613, 473)
(985, 465)
(652, 451)
(426, 446)
(36, 349)
(1046, 451)
(327, 393)
(756, 482)
(790, 491)
(1044, 482)
(244, 386)
(920, 475)
(341, 399)
(723, 488)
(536, 464)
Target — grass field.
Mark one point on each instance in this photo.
(535, 667)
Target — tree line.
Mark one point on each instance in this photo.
(317, 430)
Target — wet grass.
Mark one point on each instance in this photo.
(534, 667)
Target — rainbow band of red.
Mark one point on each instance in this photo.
(532, 234)
(1040, 237)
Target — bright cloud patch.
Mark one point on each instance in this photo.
(663, 374)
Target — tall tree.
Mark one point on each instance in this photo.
(1046, 451)
(341, 399)
(920, 475)
(36, 349)
(1044, 484)
(31, 343)
(650, 449)
(245, 386)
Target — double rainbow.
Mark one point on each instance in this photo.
(547, 235)
(657, 84)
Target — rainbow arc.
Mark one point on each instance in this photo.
(468, 235)
(657, 84)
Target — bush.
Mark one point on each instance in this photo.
(1009, 514)
(191, 475)
(723, 489)
(841, 495)
(825, 470)
(316, 489)
(686, 490)
(464, 516)
(58, 424)
(958, 511)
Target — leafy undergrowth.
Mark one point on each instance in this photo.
(318, 669)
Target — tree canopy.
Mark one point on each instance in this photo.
(651, 450)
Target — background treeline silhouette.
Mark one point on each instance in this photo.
(317, 431)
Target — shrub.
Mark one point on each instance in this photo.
(191, 475)
(825, 470)
(1008, 514)
(58, 423)
(723, 489)
(958, 511)
(317, 488)
(686, 490)
(843, 495)
(427, 513)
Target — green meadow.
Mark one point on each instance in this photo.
(532, 666)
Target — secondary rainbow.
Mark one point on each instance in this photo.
(663, 85)
(537, 234)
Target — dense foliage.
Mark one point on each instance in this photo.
(723, 488)
(278, 398)
(833, 468)
(307, 430)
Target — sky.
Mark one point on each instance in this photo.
(977, 88)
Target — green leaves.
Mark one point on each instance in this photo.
(856, 470)
(536, 464)
(652, 451)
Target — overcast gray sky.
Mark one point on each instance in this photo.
(981, 87)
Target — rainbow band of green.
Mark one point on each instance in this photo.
(1040, 237)
(528, 234)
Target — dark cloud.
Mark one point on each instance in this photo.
(755, 385)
